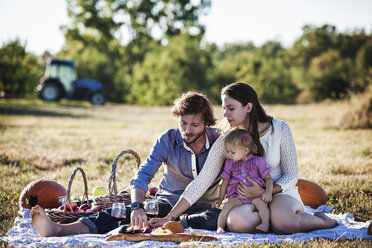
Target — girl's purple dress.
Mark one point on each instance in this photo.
(253, 166)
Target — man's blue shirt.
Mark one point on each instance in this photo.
(170, 151)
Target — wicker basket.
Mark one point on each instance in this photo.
(69, 216)
(106, 201)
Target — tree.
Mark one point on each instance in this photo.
(330, 75)
(170, 70)
(19, 71)
(139, 17)
(123, 32)
(266, 68)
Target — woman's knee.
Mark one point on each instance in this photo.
(283, 216)
(243, 219)
(282, 223)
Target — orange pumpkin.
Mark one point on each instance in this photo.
(173, 226)
(44, 193)
(311, 193)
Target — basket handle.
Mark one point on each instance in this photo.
(85, 195)
(112, 181)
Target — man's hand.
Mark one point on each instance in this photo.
(138, 217)
(254, 191)
(157, 222)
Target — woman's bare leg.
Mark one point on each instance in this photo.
(288, 216)
(264, 213)
(231, 203)
(47, 228)
(243, 219)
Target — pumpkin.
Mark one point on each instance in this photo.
(311, 193)
(173, 226)
(44, 193)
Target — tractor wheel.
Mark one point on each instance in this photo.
(51, 92)
(98, 99)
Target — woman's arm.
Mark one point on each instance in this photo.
(208, 174)
(288, 159)
(199, 185)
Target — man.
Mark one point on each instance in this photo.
(182, 152)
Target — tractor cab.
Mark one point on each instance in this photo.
(60, 80)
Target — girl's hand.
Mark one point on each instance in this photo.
(267, 197)
(254, 191)
(217, 203)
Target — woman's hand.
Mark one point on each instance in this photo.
(157, 222)
(254, 191)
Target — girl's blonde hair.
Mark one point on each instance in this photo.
(239, 135)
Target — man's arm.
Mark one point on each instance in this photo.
(145, 173)
(138, 216)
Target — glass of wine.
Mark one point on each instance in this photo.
(151, 208)
(118, 211)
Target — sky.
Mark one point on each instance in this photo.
(37, 22)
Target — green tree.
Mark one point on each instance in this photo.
(330, 75)
(170, 70)
(121, 33)
(266, 68)
(139, 17)
(20, 71)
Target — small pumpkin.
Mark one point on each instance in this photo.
(44, 193)
(311, 193)
(174, 226)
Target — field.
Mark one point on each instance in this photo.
(49, 140)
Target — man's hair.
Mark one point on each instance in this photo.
(194, 103)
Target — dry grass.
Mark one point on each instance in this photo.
(40, 140)
(361, 114)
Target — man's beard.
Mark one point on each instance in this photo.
(194, 140)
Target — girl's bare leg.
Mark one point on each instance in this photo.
(47, 228)
(288, 216)
(264, 213)
(231, 203)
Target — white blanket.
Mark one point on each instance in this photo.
(24, 234)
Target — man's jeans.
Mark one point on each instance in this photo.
(199, 217)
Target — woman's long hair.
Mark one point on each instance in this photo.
(244, 93)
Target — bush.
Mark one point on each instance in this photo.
(361, 115)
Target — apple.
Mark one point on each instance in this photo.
(78, 210)
(146, 230)
(72, 207)
(85, 207)
(97, 208)
(99, 190)
(61, 207)
(124, 192)
(153, 190)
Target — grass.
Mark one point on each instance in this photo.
(49, 140)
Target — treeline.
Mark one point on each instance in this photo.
(323, 63)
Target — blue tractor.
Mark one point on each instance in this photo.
(60, 81)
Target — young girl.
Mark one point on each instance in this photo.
(243, 162)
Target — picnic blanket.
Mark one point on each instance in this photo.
(24, 234)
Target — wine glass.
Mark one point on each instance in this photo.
(151, 208)
(118, 211)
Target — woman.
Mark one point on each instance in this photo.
(242, 108)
